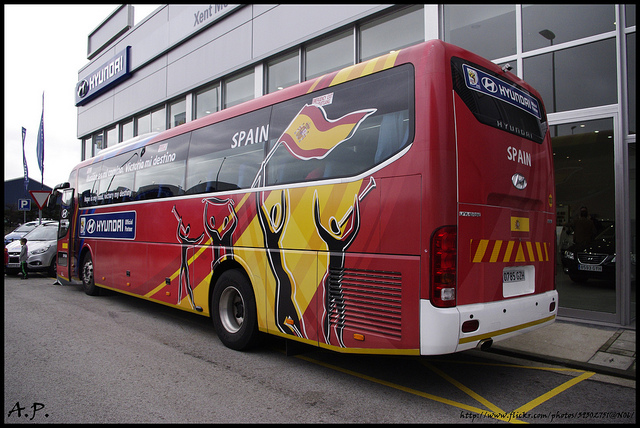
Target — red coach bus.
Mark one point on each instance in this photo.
(403, 205)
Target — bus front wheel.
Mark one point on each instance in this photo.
(88, 283)
(233, 311)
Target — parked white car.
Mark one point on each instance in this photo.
(42, 243)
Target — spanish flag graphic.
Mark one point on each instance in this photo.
(312, 136)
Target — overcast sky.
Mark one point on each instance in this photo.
(44, 47)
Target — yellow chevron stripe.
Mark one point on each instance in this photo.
(514, 251)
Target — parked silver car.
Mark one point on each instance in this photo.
(42, 243)
(22, 230)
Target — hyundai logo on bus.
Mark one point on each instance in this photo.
(485, 83)
(109, 73)
(117, 225)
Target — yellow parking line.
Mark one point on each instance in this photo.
(463, 388)
(555, 391)
(395, 386)
(496, 412)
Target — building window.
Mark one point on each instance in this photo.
(282, 72)
(126, 131)
(112, 136)
(143, 124)
(329, 55)
(158, 120)
(87, 148)
(547, 24)
(489, 31)
(571, 79)
(207, 101)
(178, 113)
(98, 141)
(396, 31)
(239, 88)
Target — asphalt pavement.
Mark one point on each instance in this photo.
(601, 349)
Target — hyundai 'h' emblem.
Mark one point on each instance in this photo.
(518, 180)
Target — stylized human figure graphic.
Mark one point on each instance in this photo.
(220, 222)
(338, 237)
(273, 222)
(183, 236)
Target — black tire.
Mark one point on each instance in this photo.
(88, 283)
(233, 311)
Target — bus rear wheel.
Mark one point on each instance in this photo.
(233, 311)
(88, 283)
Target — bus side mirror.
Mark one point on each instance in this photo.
(54, 193)
(64, 185)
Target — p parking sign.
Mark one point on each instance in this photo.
(24, 204)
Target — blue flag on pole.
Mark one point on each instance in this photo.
(24, 162)
(40, 143)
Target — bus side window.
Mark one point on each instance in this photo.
(227, 155)
(393, 135)
(160, 172)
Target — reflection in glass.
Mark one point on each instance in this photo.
(178, 113)
(396, 31)
(239, 89)
(489, 31)
(207, 102)
(583, 154)
(158, 120)
(112, 136)
(127, 131)
(583, 76)
(329, 55)
(568, 22)
(283, 72)
(143, 124)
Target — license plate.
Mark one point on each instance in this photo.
(513, 276)
(518, 280)
(590, 268)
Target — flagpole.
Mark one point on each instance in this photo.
(40, 145)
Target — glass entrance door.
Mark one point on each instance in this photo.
(584, 159)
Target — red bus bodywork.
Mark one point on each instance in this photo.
(437, 249)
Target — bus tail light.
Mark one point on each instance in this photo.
(443, 267)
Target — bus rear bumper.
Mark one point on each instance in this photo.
(441, 328)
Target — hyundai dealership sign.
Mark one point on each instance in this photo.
(109, 73)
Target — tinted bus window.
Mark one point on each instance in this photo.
(88, 180)
(343, 130)
(227, 155)
(498, 103)
(116, 182)
(161, 169)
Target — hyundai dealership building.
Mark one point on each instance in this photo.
(183, 62)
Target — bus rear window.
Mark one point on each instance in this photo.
(497, 102)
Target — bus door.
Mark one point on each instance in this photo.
(506, 221)
(66, 257)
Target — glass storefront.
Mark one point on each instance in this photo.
(585, 194)
(570, 79)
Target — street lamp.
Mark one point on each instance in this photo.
(550, 35)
